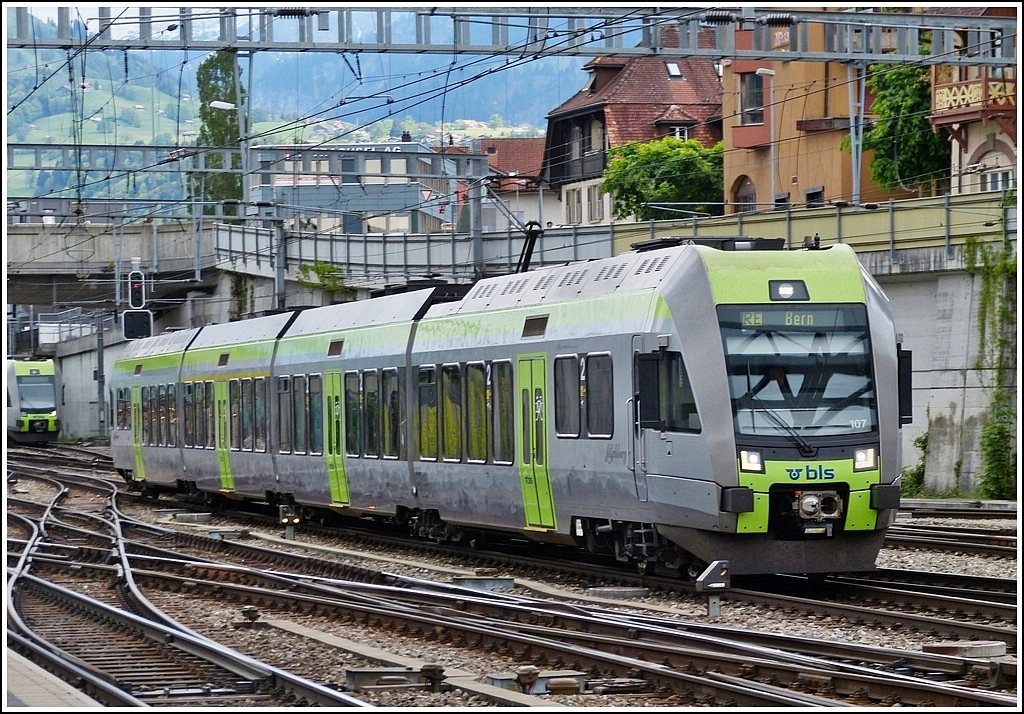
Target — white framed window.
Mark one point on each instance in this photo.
(751, 98)
(573, 206)
(595, 204)
(997, 180)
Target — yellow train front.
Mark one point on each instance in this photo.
(33, 416)
(798, 469)
(672, 406)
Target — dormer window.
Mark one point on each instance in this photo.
(673, 69)
(679, 132)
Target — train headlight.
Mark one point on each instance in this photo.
(865, 459)
(819, 505)
(751, 462)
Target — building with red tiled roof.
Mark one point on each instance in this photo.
(625, 100)
(516, 165)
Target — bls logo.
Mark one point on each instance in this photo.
(812, 473)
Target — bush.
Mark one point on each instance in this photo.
(913, 476)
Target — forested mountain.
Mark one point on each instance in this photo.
(48, 92)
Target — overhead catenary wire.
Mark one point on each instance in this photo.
(391, 111)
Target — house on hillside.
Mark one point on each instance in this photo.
(626, 99)
(519, 193)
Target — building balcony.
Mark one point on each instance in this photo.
(989, 97)
(752, 136)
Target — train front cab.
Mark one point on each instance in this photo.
(32, 413)
(818, 392)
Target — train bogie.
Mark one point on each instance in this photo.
(673, 406)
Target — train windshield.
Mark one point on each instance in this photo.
(38, 393)
(799, 370)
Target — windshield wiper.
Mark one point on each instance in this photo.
(805, 449)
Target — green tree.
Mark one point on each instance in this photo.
(217, 78)
(908, 153)
(665, 178)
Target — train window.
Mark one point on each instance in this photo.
(597, 395)
(678, 405)
(172, 415)
(799, 369)
(316, 414)
(535, 326)
(144, 416)
(120, 408)
(568, 396)
(334, 349)
(502, 398)
(235, 406)
(284, 416)
(198, 414)
(352, 425)
(476, 412)
(161, 415)
(209, 407)
(247, 411)
(451, 411)
(151, 417)
(334, 421)
(189, 421)
(527, 433)
(393, 413)
(371, 414)
(260, 416)
(300, 411)
(427, 401)
(157, 415)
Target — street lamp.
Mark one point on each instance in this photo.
(765, 72)
(243, 129)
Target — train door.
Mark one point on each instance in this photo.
(640, 379)
(222, 412)
(334, 448)
(533, 463)
(140, 464)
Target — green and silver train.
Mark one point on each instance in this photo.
(33, 416)
(680, 404)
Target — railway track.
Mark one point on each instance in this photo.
(957, 539)
(573, 636)
(120, 656)
(150, 545)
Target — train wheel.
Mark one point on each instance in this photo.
(645, 566)
(694, 570)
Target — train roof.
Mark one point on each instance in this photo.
(385, 309)
(258, 329)
(163, 343)
(626, 272)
